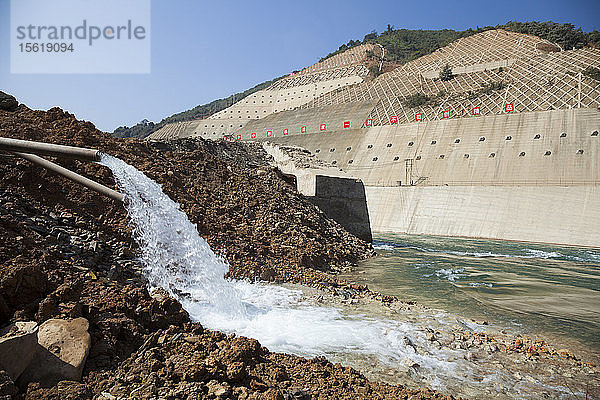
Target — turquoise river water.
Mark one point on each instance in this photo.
(529, 288)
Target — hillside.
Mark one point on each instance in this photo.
(401, 46)
(145, 127)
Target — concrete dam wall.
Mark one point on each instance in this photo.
(547, 214)
(530, 176)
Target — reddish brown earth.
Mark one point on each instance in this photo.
(66, 252)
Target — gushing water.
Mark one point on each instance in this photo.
(174, 256)
(177, 259)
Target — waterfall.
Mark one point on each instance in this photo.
(173, 255)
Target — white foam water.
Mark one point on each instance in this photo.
(478, 284)
(177, 259)
(382, 246)
(543, 254)
(450, 274)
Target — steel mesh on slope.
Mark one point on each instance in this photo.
(537, 83)
(352, 56)
(305, 79)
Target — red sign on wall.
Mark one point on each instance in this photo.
(239, 137)
(418, 117)
(393, 119)
(369, 122)
(446, 114)
(346, 124)
(476, 111)
(323, 127)
(285, 131)
(303, 129)
(253, 135)
(269, 133)
(509, 107)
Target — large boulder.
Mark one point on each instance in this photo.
(18, 344)
(63, 346)
(8, 102)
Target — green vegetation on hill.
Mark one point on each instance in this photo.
(401, 45)
(404, 45)
(145, 127)
(592, 72)
(565, 35)
(420, 99)
(446, 73)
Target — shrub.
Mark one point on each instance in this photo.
(491, 86)
(592, 72)
(374, 70)
(446, 73)
(416, 100)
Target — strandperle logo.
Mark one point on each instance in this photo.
(84, 31)
(83, 37)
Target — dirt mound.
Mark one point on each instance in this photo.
(8, 102)
(192, 362)
(243, 208)
(66, 253)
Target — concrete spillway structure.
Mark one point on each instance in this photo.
(506, 149)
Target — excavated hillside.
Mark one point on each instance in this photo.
(66, 252)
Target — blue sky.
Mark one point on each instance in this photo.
(202, 51)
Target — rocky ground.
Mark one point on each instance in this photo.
(531, 364)
(66, 254)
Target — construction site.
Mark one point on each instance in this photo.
(505, 147)
(367, 227)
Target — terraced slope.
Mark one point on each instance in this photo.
(490, 69)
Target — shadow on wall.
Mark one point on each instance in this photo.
(344, 200)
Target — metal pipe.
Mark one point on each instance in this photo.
(82, 180)
(49, 149)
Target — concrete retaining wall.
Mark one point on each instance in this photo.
(530, 188)
(344, 200)
(550, 214)
(492, 150)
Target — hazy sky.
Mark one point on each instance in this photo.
(202, 51)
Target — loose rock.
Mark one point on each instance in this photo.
(63, 346)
